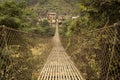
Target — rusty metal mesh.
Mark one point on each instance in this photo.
(17, 60)
(96, 53)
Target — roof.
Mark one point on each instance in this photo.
(51, 12)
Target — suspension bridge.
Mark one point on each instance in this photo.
(98, 59)
(58, 65)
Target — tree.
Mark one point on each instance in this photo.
(98, 44)
(13, 14)
(102, 12)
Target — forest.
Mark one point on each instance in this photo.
(91, 41)
(24, 45)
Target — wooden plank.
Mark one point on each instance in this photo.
(59, 66)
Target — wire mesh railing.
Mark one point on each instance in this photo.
(22, 54)
(96, 53)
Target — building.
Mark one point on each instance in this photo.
(75, 17)
(61, 18)
(52, 17)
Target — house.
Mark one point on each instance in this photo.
(75, 17)
(60, 19)
(52, 17)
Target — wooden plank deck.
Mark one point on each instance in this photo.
(59, 65)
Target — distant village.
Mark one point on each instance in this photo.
(54, 18)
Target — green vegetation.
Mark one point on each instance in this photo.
(44, 30)
(55, 5)
(13, 14)
(18, 15)
(92, 51)
(95, 14)
(17, 60)
(43, 6)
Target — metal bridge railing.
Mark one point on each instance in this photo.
(97, 53)
(21, 55)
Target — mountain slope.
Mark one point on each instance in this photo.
(59, 6)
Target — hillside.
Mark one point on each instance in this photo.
(59, 6)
